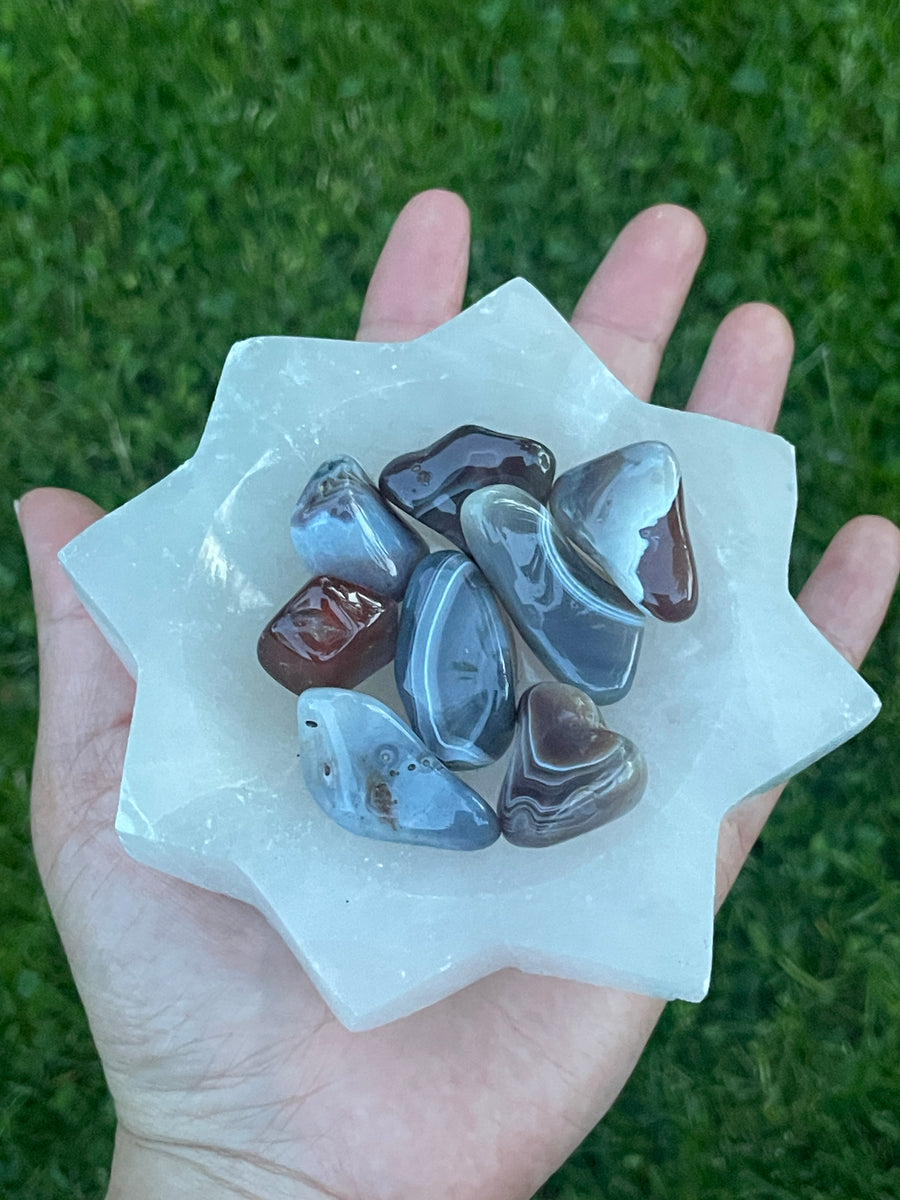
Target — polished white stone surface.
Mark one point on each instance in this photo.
(183, 578)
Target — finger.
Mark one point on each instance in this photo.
(71, 646)
(746, 368)
(631, 304)
(846, 597)
(86, 694)
(420, 277)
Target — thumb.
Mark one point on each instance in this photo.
(86, 695)
(49, 518)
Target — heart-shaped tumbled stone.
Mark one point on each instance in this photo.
(341, 526)
(455, 662)
(369, 772)
(625, 512)
(432, 484)
(578, 624)
(568, 773)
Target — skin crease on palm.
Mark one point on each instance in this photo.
(229, 1074)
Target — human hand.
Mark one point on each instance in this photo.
(229, 1074)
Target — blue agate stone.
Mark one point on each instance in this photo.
(625, 512)
(369, 772)
(455, 662)
(342, 527)
(579, 625)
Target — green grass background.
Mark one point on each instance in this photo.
(175, 176)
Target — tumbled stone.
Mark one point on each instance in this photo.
(341, 526)
(578, 624)
(330, 634)
(432, 484)
(368, 771)
(568, 773)
(455, 662)
(625, 511)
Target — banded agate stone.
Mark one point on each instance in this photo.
(330, 634)
(625, 512)
(569, 773)
(369, 772)
(432, 484)
(578, 624)
(341, 526)
(455, 662)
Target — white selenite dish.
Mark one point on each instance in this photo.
(182, 579)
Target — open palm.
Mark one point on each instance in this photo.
(229, 1073)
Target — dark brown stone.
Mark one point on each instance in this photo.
(330, 634)
(432, 484)
(568, 773)
(667, 570)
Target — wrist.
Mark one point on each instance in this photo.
(148, 1170)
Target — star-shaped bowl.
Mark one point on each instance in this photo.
(182, 579)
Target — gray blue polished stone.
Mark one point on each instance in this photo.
(578, 624)
(342, 527)
(625, 512)
(369, 772)
(568, 773)
(455, 662)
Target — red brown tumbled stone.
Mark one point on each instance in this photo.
(330, 634)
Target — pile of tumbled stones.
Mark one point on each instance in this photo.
(575, 566)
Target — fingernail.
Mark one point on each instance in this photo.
(16, 504)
